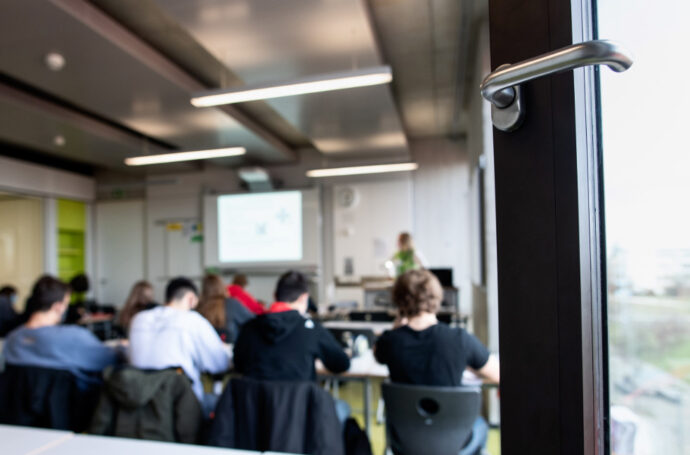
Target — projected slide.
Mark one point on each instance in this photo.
(260, 227)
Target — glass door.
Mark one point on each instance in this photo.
(593, 237)
(646, 167)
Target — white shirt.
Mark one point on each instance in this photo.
(165, 337)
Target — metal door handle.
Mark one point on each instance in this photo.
(502, 87)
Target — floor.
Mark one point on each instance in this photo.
(352, 393)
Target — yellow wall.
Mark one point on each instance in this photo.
(21, 244)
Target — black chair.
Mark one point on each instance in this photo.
(292, 417)
(429, 419)
(446, 318)
(45, 398)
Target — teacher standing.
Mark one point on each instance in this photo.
(407, 258)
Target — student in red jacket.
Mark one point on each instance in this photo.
(236, 291)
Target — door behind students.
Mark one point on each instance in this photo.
(119, 249)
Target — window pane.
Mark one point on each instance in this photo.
(646, 173)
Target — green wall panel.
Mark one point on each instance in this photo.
(71, 224)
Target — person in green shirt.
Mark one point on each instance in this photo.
(406, 258)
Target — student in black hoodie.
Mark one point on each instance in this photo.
(283, 344)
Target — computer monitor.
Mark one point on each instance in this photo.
(445, 276)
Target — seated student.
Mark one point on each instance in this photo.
(140, 299)
(78, 307)
(9, 319)
(8, 292)
(282, 344)
(225, 314)
(42, 342)
(420, 350)
(172, 335)
(237, 291)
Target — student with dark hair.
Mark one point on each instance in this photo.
(282, 344)
(238, 290)
(9, 319)
(225, 314)
(9, 292)
(79, 286)
(43, 342)
(172, 335)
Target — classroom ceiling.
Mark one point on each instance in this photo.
(131, 65)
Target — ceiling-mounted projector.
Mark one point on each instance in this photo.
(255, 178)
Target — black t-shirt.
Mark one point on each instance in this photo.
(437, 355)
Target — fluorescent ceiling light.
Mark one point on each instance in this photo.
(184, 156)
(357, 170)
(313, 84)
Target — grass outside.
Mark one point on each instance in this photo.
(653, 330)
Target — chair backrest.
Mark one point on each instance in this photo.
(45, 398)
(147, 404)
(429, 419)
(292, 417)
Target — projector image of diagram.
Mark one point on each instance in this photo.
(260, 227)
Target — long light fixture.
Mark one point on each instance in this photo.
(312, 84)
(358, 170)
(184, 156)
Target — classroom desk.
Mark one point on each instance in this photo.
(100, 324)
(363, 368)
(377, 327)
(16, 440)
(104, 445)
(96, 318)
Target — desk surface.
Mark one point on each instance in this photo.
(95, 318)
(377, 327)
(23, 440)
(366, 366)
(103, 445)
(16, 440)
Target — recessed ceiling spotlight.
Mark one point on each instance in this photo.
(59, 140)
(54, 61)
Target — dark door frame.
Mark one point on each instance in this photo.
(548, 220)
